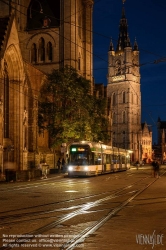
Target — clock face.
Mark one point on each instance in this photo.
(118, 67)
(117, 64)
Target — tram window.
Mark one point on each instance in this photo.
(115, 159)
(97, 158)
(123, 159)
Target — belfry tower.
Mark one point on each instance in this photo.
(123, 91)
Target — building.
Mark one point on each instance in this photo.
(146, 143)
(160, 148)
(123, 91)
(36, 36)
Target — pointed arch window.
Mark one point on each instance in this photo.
(41, 49)
(113, 99)
(6, 106)
(33, 53)
(124, 97)
(49, 51)
(79, 25)
(137, 100)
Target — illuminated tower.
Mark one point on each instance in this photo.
(123, 91)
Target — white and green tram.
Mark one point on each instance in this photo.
(87, 158)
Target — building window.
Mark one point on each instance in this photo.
(33, 53)
(79, 26)
(124, 97)
(41, 50)
(137, 99)
(6, 106)
(114, 99)
(49, 51)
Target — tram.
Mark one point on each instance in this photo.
(87, 158)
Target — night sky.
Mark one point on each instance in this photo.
(146, 22)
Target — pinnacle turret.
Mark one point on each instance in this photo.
(135, 46)
(111, 46)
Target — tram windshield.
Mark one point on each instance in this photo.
(79, 155)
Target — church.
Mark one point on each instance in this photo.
(35, 37)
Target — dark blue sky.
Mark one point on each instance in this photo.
(147, 23)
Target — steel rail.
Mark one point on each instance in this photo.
(85, 233)
(34, 213)
(72, 214)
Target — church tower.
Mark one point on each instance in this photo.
(123, 91)
(56, 33)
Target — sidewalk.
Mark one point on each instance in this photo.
(14, 180)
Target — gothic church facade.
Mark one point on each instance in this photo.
(36, 36)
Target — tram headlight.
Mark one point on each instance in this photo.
(70, 168)
(86, 168)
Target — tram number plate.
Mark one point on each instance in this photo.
(78, 168)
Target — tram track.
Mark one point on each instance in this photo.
(86, 207)
(8, 217)
(10, 221)
(85, 233)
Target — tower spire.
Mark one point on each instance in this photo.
(123, 40)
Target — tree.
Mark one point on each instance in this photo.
(67, 109)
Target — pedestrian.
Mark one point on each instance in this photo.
(137, 164)
(63, 164)
(40, 168)
(44, 170)
(157, 168)
(154, 168)
(59, 164)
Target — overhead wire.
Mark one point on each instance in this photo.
(82, 28)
